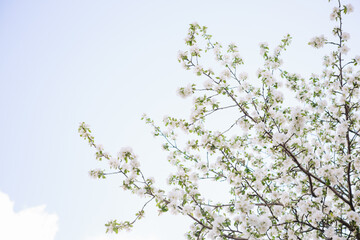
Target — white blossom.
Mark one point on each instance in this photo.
(344, 49)
(317, 42)
(350, 8)
(345, 36)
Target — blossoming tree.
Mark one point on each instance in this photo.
(293, 171)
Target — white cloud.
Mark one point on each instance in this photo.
(29, 224)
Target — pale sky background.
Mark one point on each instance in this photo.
(106, 63)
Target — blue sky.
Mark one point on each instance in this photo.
(107, 63)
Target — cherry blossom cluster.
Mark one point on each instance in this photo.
(292, 172)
